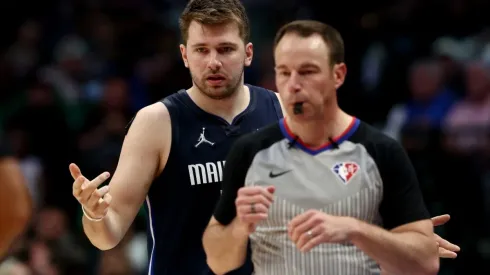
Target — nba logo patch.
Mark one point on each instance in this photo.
(345, 170)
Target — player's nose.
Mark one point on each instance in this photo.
(214, 64)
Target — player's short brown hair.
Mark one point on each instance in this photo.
(307, 28)
(214, 12)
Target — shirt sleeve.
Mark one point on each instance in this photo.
(402, 198)
(236, 168)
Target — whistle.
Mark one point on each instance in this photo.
(298, 108)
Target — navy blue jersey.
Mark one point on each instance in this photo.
(182, 199)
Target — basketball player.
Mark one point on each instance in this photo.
(319, 192)
(173, 155)
(15, 201)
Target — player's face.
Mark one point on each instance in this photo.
(216, 56)
(304, 74)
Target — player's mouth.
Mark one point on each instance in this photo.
(215, 80)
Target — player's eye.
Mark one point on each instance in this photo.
(200, 50)
(226, 49)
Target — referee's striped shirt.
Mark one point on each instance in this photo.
(364, 174)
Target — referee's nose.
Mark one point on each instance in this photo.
(294, 83)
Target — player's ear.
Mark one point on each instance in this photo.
(183, 52)
(339, 73)
(249, 53)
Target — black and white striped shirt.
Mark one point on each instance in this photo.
(365, 175)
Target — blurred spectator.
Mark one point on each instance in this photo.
(23, 55)
(30, 164)
(115, 262)
(428, 106)
(69, 68)
(41, 259)
(468, 123)
(51, 226)
(104, 128)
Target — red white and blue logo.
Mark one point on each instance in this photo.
(346, 170)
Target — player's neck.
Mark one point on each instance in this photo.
(320, 131)
(227, 108)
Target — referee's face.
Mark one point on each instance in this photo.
(304, 74)
(216, 56)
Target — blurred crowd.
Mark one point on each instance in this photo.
(73, 73)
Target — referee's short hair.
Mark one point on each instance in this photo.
(307, 28)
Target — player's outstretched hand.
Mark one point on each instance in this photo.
(314, 227)
(252, 204)
(446, 249)
(94, 200)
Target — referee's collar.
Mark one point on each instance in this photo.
(348, 132)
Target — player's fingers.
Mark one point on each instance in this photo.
(440, 220)
(74, 171)
(88, 187)
(105, 202)
(77, 186)
(444, 253)
(98, 180)
(102, 206)
(299, 230)
(96, 196)
(446, 244)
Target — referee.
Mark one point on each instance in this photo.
(319, 192)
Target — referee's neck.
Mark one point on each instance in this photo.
(315, 133)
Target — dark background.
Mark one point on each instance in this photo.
(73, 72)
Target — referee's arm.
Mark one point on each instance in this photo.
(225, 241)
(409, 246)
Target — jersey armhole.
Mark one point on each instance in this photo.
(173, 112)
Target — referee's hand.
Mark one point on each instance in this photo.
(313, 227)
(95, 201)
(252, 204)
(446, 249)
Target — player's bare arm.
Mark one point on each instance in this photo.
(144, 153)
(15, 203)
